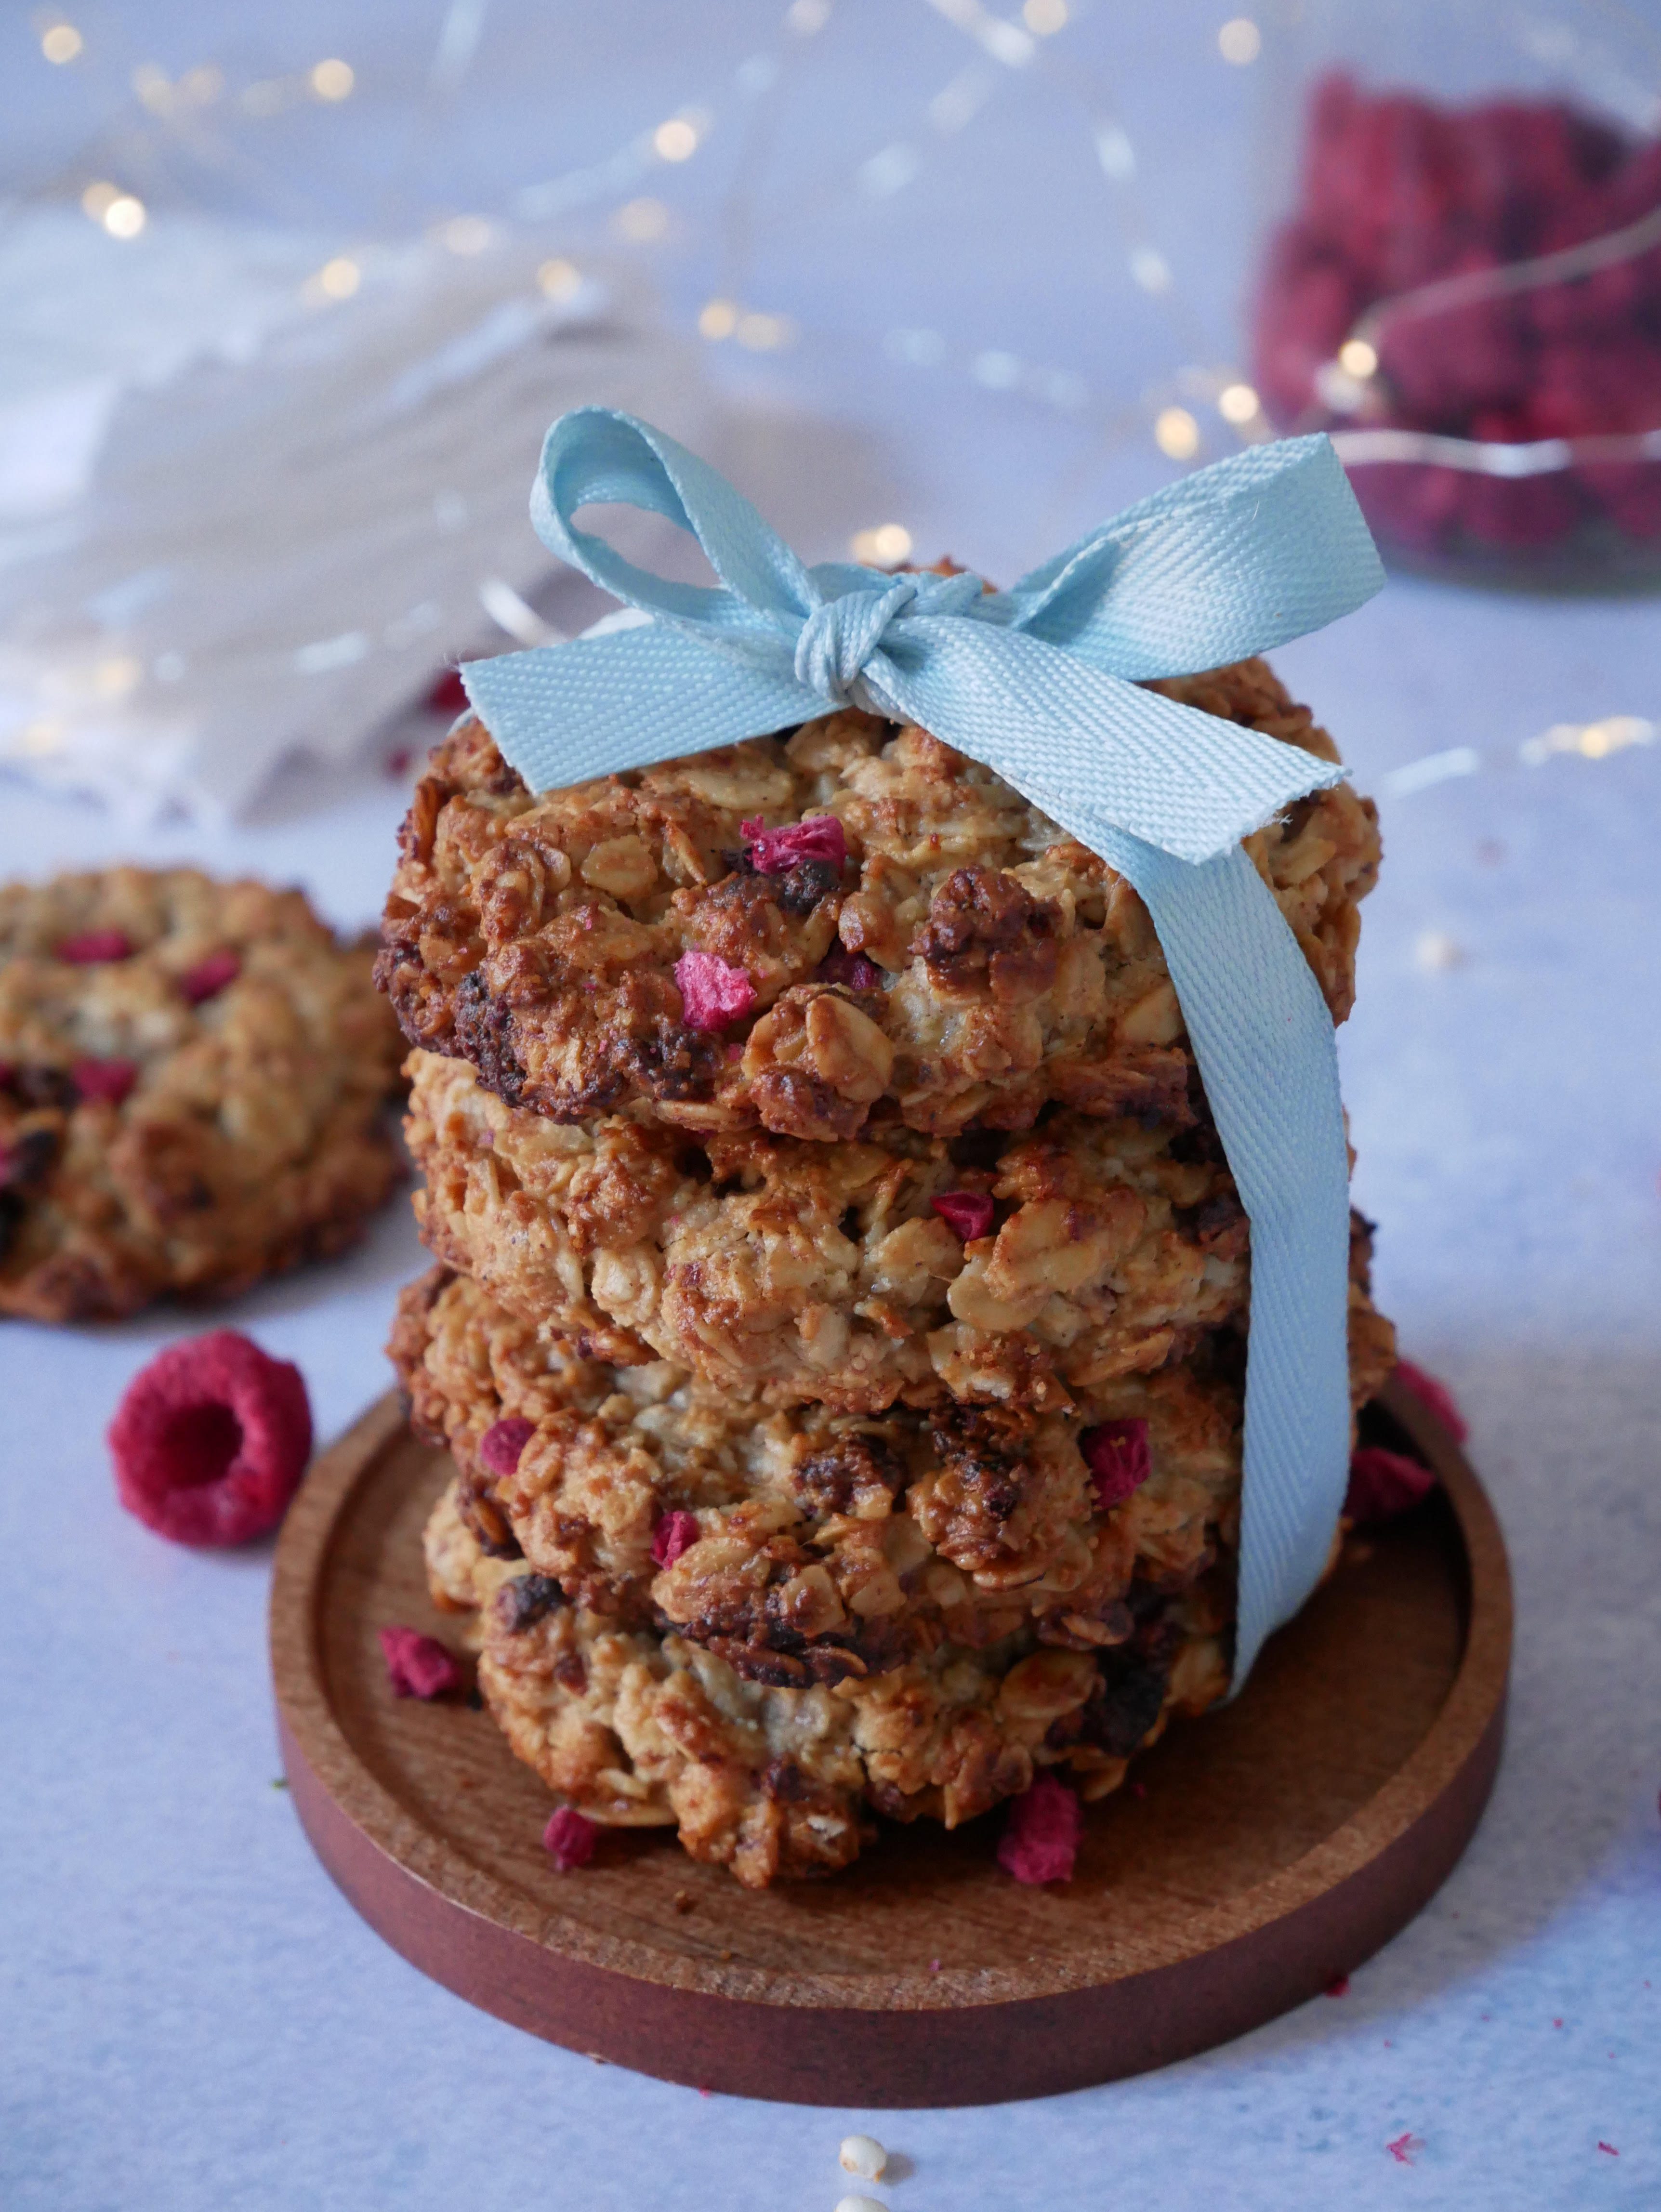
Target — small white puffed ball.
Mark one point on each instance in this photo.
(862, 2155)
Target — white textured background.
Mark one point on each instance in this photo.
(193, 2018)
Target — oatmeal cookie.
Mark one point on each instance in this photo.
(191, 1081)
(1008, 1269)
(821, 933)
(640, 1728)
(803, 1545)
(812, 1544)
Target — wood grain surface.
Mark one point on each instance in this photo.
(1277, 1842)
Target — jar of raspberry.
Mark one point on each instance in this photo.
(1462, 281)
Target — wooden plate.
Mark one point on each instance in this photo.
(1276, 1842)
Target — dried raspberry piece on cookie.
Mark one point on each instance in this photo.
(210, 1440)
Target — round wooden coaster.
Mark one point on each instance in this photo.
(1272, 1844)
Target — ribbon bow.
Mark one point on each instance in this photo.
(1039, 683)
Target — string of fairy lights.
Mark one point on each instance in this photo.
(628, 188)
(1200, 403)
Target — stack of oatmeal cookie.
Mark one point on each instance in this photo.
(839, 1320)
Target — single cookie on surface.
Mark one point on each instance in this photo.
(821, 932)
(1006, 1269)
(639, 1728)
(193, 1075)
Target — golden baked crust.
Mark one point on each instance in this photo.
(255, 1057)
(1000, 965)
(641, 1728)
(802, 1271)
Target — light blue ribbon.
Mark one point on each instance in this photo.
(1039, 683)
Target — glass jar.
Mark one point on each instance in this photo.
(1462, 281)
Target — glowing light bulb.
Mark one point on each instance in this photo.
(333, 80)
(1239, 41)
(1044, 18)
(717, 319)
(885, 547)
(466, 234)
(764, 333)
(675, 140)
(642, 222)
(1237, 402)
(61, 43)
(560, 279)
(339, 279)
(124, 217)
(1357, 359)
(1176, 434)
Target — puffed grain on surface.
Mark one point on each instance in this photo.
(253, 1135)
(969, 964)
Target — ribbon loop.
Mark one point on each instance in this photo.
(1040, 683)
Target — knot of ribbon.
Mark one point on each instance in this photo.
(841, 635)
(1041, 683)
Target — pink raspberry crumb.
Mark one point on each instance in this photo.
(712, 993)
(1040, 1840)
(1435, 1397)
(210, 976)
(503, 1442)
(210, 1440)
(852, 969)
(675, 1532)
(966, 1213)
(418, 1666)
(104, 1082)
(94, 946)
(446, 695)
(1402, 2148)
(1383, 1484)
(1609, 2148)
(1116, 1454)
(821, 837)
(570, 1839)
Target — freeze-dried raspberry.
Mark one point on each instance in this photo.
(1040, 1840)
(448, 694)
(852, 969)
(675, 1533)
(210, 977)
(1116, 1454)
(1435, 1397)
(104, 1082)
(966, 1213)
(210, 1440)
(1384, 1483)
(502, 1444)
(712, 993)
(93, 947)
(821, 837)
(418, 1666)
(570, 1839)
